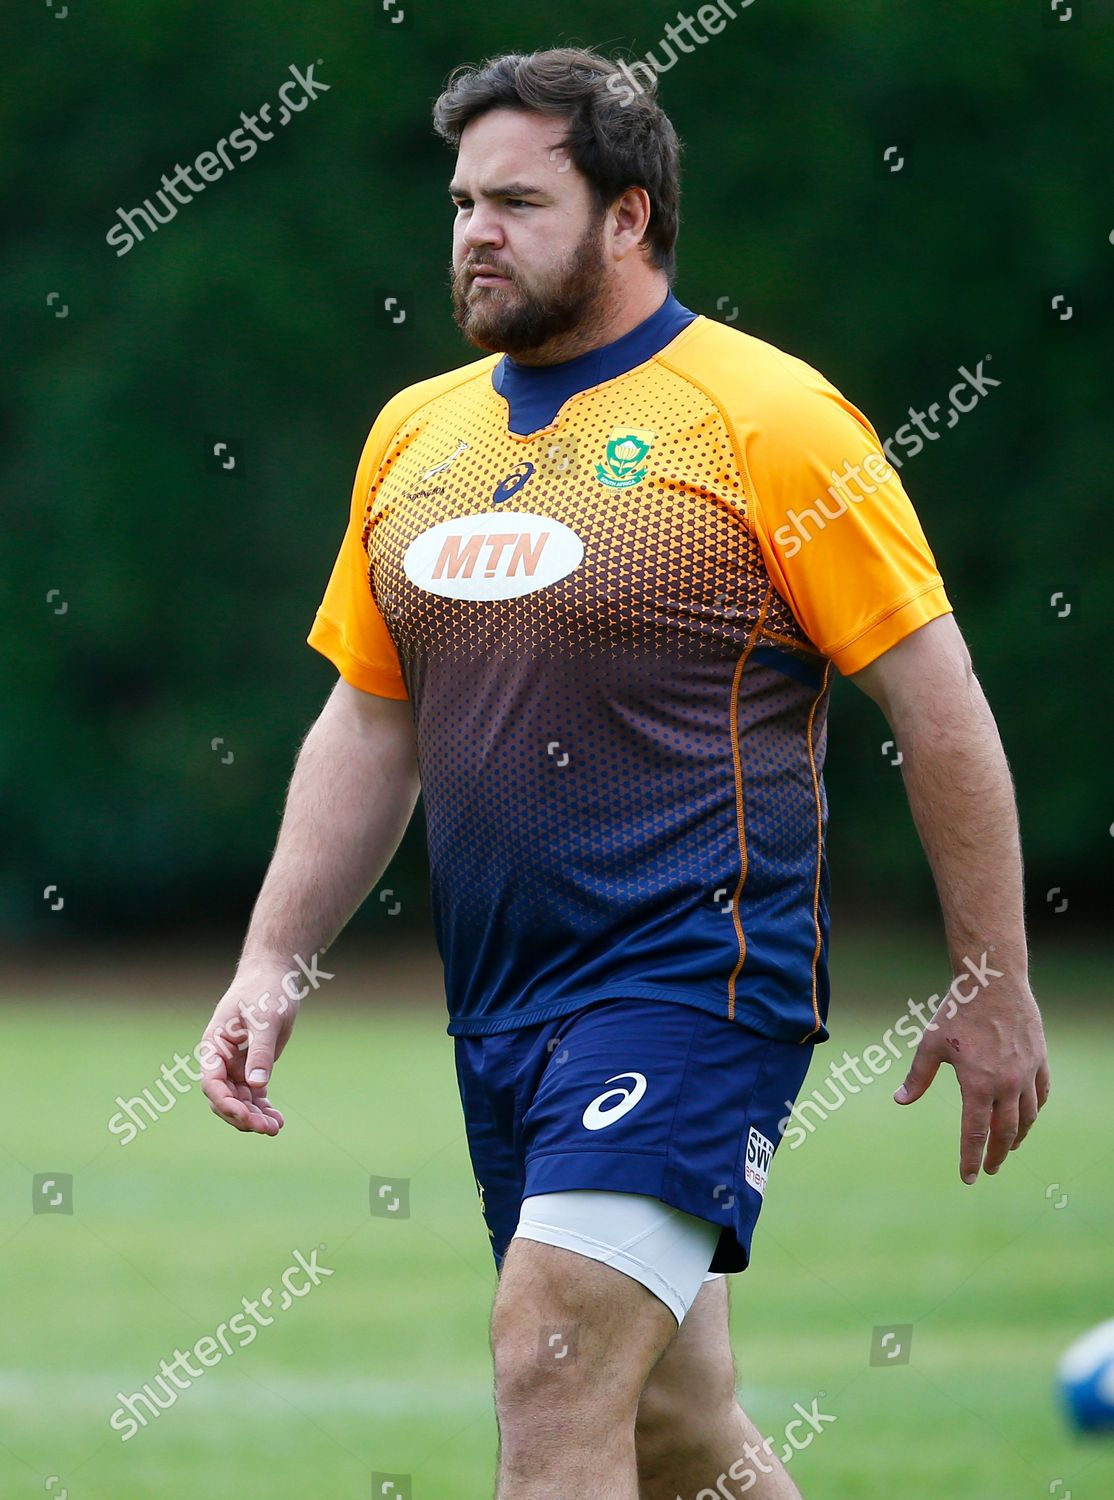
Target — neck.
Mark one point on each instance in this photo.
(606, 323)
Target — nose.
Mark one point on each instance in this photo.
(483, 227)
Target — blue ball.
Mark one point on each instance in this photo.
(1086, 1380)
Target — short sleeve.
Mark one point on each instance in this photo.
(839, 535)
(349, 629)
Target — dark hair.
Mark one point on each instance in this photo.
(618, 136)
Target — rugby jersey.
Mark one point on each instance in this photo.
(614, 592)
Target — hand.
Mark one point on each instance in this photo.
(247, 1032)
(995, 1043)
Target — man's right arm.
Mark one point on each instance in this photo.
(352, 794)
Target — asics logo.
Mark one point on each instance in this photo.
(517, 480)
(596, 1116)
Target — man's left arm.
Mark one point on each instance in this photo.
(961, 796)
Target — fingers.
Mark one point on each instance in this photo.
(235, 1103)
(271, 1112)
(257, 1117)
(973, 1132)
(923, 1071)
(1028, 1109)
(1044, 1085)
(224, 1101)
(260, 1060)
(1003, 1132)
(1000, 1125)
(1032, 1102)
(262, 1117)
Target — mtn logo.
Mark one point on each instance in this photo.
(498, 555)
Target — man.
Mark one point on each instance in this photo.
(592, 590)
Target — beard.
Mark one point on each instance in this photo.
(518, 319)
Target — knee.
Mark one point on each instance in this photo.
(546, 1395)
(572, 1342)
(555, 1367)
(540, 1366)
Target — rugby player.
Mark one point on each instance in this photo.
(592, 594)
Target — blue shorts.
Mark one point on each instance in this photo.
(631, 1096)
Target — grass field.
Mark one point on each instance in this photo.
(384, 1367)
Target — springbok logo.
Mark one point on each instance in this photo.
(627, 448)
(500, 554)
(452, 458)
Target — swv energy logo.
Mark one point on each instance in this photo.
(498, 555)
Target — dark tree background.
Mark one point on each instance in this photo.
(155, 605)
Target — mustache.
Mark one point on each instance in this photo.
(469, 269)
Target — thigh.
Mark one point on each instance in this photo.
(558, 1313)
(698, 1366)
(667, 1250)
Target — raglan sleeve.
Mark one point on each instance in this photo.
(839, 536)
(348, 628)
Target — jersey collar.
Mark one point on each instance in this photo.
(536, 393)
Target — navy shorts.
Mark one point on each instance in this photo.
(630, 1096)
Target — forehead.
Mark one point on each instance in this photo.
(504, 144)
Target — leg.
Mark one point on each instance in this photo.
(690, 1430)
(574, 1341)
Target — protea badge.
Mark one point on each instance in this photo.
(627, 448)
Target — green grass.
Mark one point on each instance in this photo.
(386, 1367)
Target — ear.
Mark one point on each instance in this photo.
(631, 216)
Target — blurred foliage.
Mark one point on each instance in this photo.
(252, 317)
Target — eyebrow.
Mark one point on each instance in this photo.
(510, 190)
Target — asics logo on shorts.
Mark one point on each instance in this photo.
(596, 1116)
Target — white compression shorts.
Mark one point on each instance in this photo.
(667, 1250)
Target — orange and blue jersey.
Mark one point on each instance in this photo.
(613, 591)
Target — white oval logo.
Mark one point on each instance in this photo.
(596, 1116)
(501, 554)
